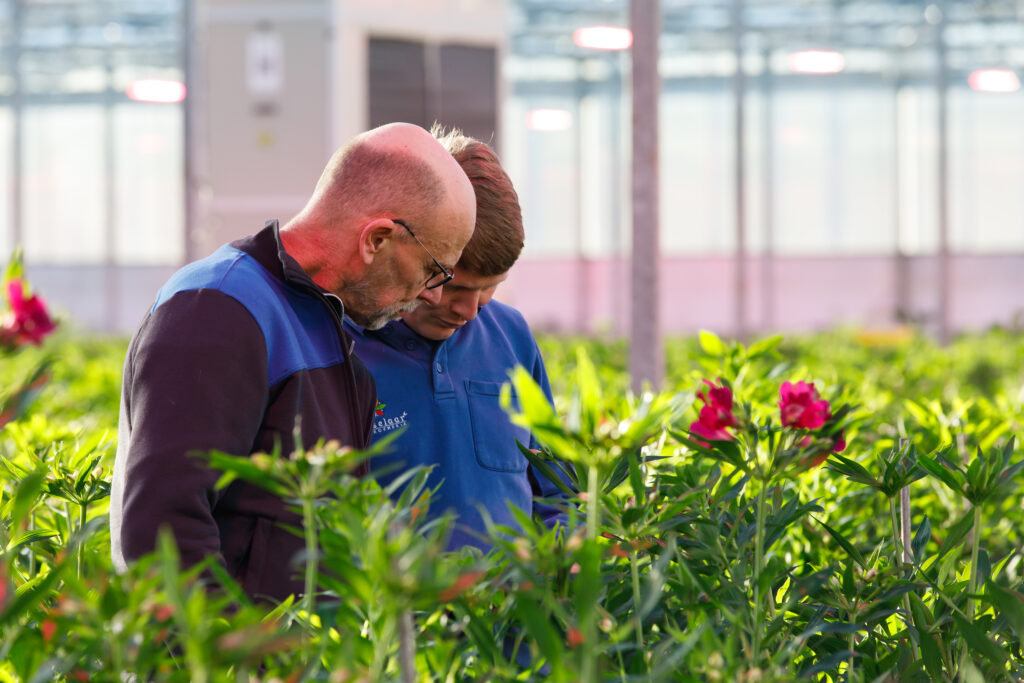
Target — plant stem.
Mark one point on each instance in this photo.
(31, 553)
(590, 624)
(897, 556)
(638, 624)
(758, 567)
(975, 545)
(972, 586)
(898, 560)
(83, 510)
(593, 507)
(851, 643)
(312, 559)
(406, 647)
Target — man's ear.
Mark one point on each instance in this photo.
(374, 238)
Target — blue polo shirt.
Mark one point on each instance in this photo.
(446, 396)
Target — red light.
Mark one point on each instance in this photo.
(994, 80)
(816, 62)
(548, 119)
(603, 37)
(156, 90)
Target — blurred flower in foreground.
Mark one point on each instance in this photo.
(26, 320)
(716, 416)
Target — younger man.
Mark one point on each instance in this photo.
(439, 371)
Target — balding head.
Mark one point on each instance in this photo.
(345, 237)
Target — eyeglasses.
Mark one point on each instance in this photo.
(437, 279)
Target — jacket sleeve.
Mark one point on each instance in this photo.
(195, 380)
(544, 487)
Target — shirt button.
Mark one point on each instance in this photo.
(438, 367)
(410, 345)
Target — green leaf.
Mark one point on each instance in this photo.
(827, 663)
(711, 343)
(588, 581)
(31, 595)
(929, 649)
(544, 468)
(978, 641)
(588, 388)
(854, 554)
(1007, 602)
(764, 346)
(25, 497)
(921, 538)
(953, 480)
(656, 578)
(956, 534)
(851, 469)
(30, 537)
(539, 627)
(636, 480)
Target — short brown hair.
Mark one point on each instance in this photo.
(498, 236)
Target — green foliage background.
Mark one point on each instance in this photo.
(681, 562)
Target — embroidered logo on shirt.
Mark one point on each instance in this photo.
(383, 424)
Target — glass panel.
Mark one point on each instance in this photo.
(696, 156)
(834, 184)
(150, 193)
(6, 162)
(63, 184)
(545, 175)
(987, 171)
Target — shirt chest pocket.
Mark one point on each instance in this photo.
(494, 435)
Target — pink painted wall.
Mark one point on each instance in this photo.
(563, 295)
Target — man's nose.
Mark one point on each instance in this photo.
(431, 296)
(467, 305)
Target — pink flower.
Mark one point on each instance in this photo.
(839, 443)
(801, 407)
(28, 320)
(716, 415)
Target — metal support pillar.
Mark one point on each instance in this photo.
(740, 259)
(646, 353)
(942, 169)
(768, 131)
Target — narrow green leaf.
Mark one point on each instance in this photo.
(1007, 602)
(929, 648)
(25, 497)
(956, 534)
(921, 538)
(854, 554)
(827, 663)
(978, 641)
(30, 537)
(588, 581)
(538, 625)
(953, 480)
(544, 468)
(764, 346)
(636, 480)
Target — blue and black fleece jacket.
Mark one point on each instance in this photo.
(237, 348)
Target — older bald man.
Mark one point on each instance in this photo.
(240, 345)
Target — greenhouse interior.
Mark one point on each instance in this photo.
(747, 403)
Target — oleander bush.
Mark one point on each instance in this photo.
(839, 507)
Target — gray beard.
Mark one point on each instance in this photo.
(359, 294)
(379, 319)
